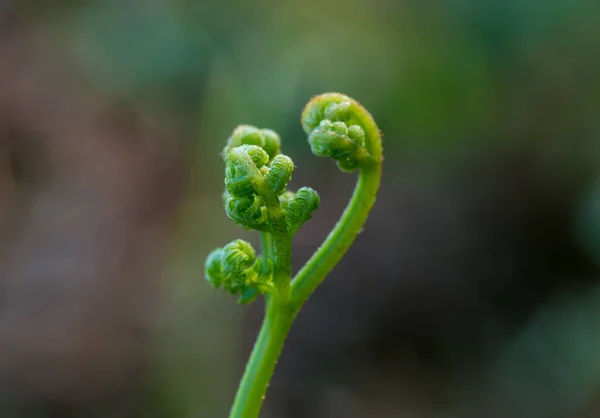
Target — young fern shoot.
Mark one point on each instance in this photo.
(256, 178)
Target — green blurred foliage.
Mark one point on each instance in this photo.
(451, 74)
(587, 221)
(528, 374)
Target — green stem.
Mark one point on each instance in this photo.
(277, 245)
(278, 320)
(253, 387)
(341, 237)
(280, 314)
(282, 244)
(266, 243)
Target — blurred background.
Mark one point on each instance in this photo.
(473, 291)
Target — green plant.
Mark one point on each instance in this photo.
(256, 177)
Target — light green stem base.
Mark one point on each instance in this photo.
(253, 387)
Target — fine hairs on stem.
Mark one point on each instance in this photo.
(256, 178)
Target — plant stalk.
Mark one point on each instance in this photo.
(267, 349)
(340, 238)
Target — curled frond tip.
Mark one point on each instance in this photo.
(237, 270)
(266, 139)
(340, 128)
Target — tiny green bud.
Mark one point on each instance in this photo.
(257, 154)
(242, 169)
(267, 139)
(238, 257)
(272, 142)
(239, 186)
(357, 135)
(338, 111)
(279, 174)
(339, 128)
(300, 208)
(249, 212)
(332, 140)
(245, 135)
(236, 268)
(243, 172)
(212, 268)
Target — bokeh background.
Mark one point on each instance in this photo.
(473, 291)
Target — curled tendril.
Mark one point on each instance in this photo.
(279, 174)
(298, 207)
(242, 172)
(340, 128)
(266, 139)
(238, 261)
(236, 268)
(243, 179)
(248, 211)
(250, 179)
(212, 268)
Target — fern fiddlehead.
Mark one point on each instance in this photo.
(340, 128)
(256, 178)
